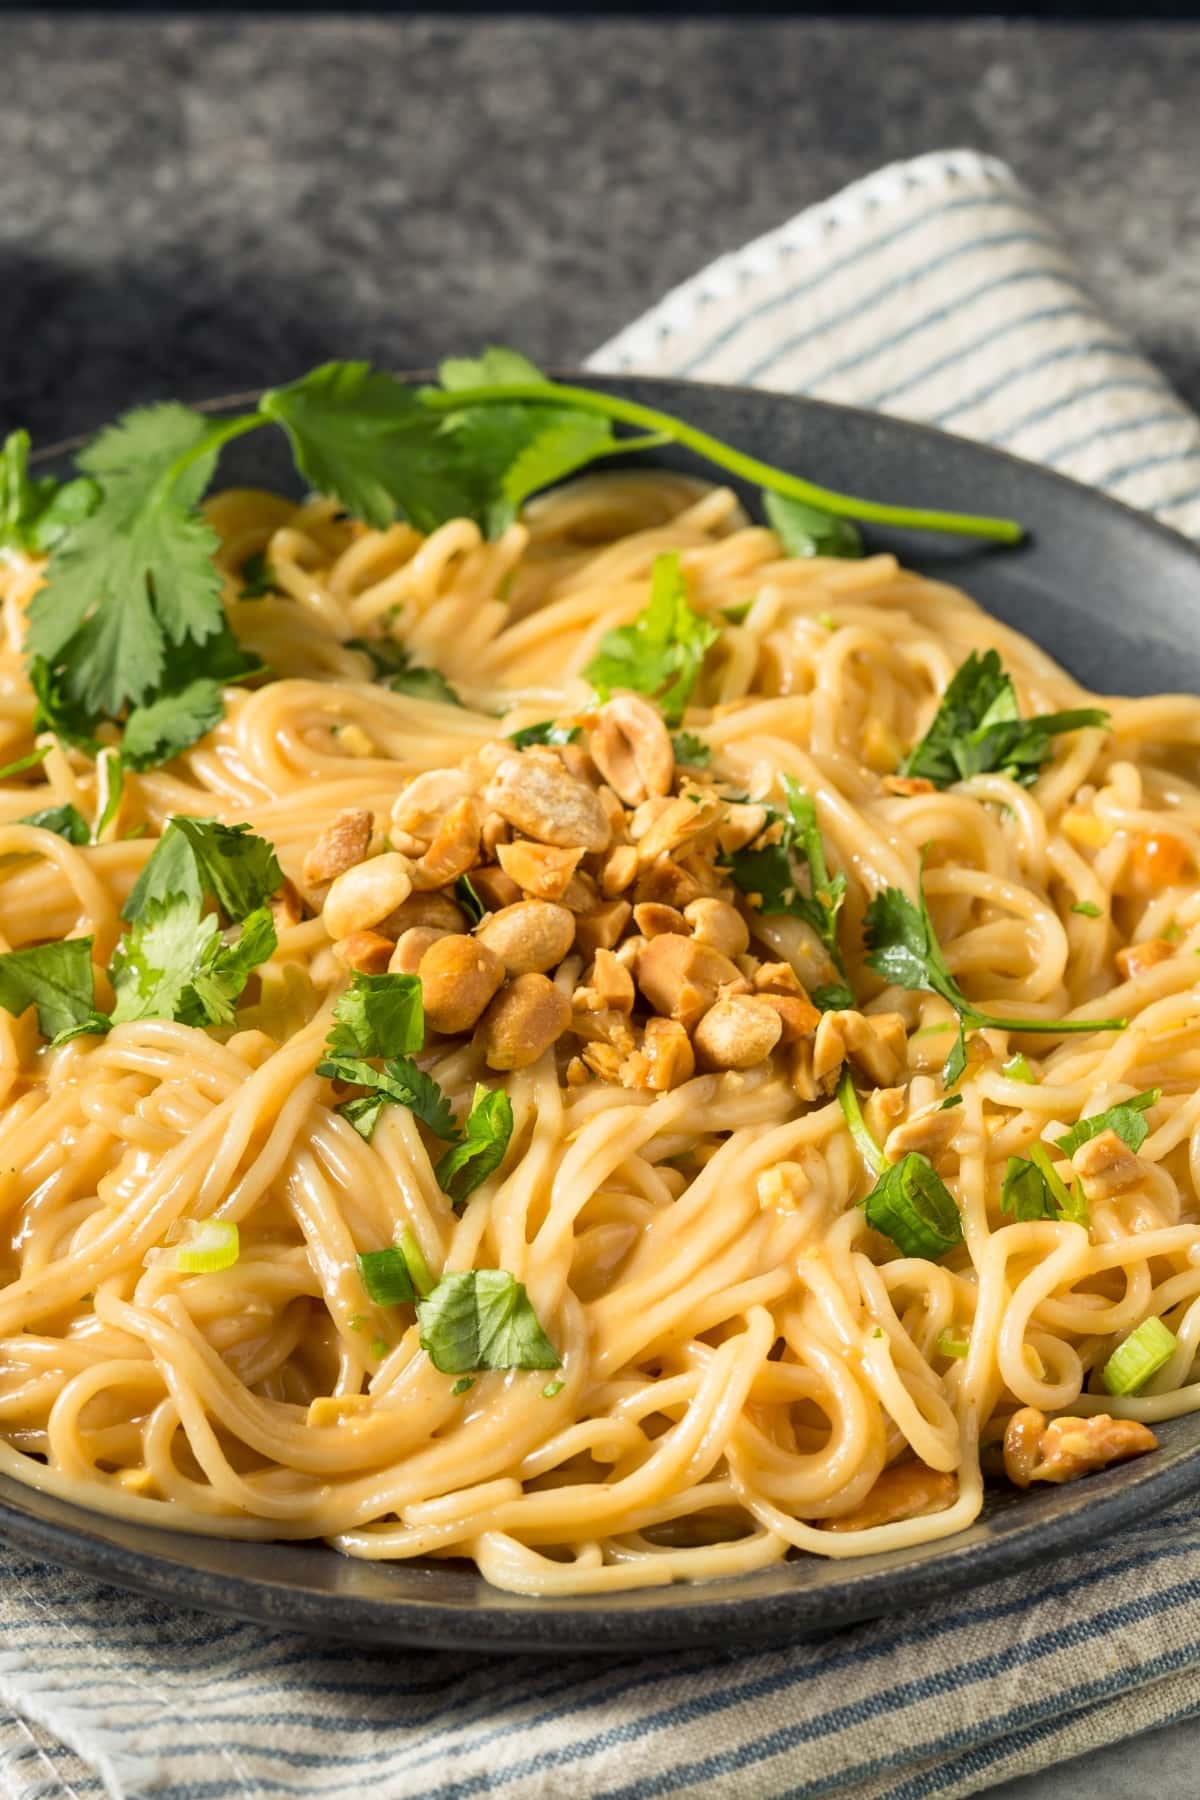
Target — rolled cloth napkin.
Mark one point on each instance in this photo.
(935, 289)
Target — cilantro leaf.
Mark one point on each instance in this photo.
(223, 970)
(394, 670)
(691, 749)
(378, 1015)
(483, 1319)
(56, 978)
(136, 574)
(64, 821)
(174, 964)
(171, 724)
(1127, 1119)
(1033, 1189)
(806, 531)
(362, 436)
(467, 897)
(904, 949)
(199, 858)
(514, 447)
(385, 1277)
(662, 652)
(482, 1146)
(401, 1081)
(769, 875)
(544, 732)
(35, 513)
(54, 711)
(978, 729)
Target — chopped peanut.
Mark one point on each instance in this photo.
(1157, 860)
(530, 937)
(495, 889)
(548, 805)
(737, 1034)
(906, 1490)
(454, 848)
(609, 986)
(459, 975)
(663, 1061)
(1068, 1448)
(540, 869)
(1107, 1165)
(680, 827)
(1137, 959)
(798, 1017)
(778, 978)
(368, 952)
(343, 843)
(717, 924)
(668, 884)
(411, 946)
(927, 1131)
(875, 1041)
(680, 978)
(741, 825)
(425, 909)
(619, 871)
(420, 807)
(601, 928)
(631, 747)
(652, 918)
(364, 895)
(523, 1021)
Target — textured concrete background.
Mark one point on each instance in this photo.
(188, 206)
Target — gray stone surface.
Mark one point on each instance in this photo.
(191, 205)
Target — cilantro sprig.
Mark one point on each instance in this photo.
(662, 652)
(770, 874)
(176, 960)
(131, 617)
(904, 949)
(381, 1017)
(978, 729)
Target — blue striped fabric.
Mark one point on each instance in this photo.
(935, 290)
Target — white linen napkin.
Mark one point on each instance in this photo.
(935, 289)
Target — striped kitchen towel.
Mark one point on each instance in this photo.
(934, 289)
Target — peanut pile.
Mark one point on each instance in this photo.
(611, 928)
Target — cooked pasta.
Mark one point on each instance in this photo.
(744, 1365)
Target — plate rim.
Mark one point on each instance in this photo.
(700, 1613)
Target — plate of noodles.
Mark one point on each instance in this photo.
(599, 1045)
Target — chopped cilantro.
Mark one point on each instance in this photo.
(378, 1015)
(1088, 908)
(806, 531)
(691, 749)
(978, 728)
(395, 670)
(56, 978)
(769, 875)
(662, 652)
(258, 577)
(482, 1319)
(1127, 1119)
(545, 732)
(482, 1147)
(904, 949)
(64, 821)
(468, 899)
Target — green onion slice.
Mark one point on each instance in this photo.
(912, 1205)
(950, 1344)
(1144, 1352)
(1017, 1069)
(209, 1246)
(852, 1112)
(418, 1268)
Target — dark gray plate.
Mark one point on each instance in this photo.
(1114, 597)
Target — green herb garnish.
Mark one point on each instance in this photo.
(482, 1319)
(690, 749)
(258, 577)
(1127, 1119)
(806, 531)
(545, 732)
(385, 1277)
(395, 669)
(978, 729)
(1033, 1189)
(64, 821)
(770, 876)
(482, 1147)
(1088, 908)
(904, 949)
(662, 652)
